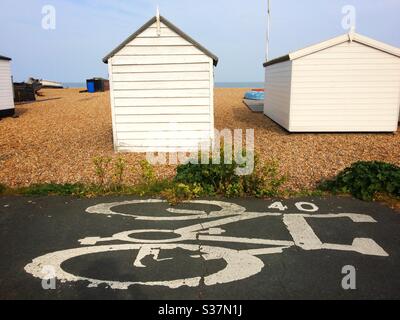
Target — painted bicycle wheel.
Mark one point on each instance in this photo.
(226, 209)
(238, 265)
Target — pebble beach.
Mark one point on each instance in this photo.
(55, 139)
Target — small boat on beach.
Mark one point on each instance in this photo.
(254, 100)
(254, 95)
(51, 84)
(46, 84)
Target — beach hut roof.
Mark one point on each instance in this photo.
(4, 58)
(169, 25)
(351, 36)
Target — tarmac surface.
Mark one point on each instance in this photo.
(130, 248)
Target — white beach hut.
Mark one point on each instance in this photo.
(347, 84)
(161, 87)
(7, 107)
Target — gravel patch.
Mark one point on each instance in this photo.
(56, 138)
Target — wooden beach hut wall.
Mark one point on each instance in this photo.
(347, 84)
(161, 88)
(7, 107)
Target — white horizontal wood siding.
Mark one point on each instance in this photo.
(161, 76)
(155, 85)
(350, 87)
(277, 88)
(6, 90)
(162, 93)
(167, 93)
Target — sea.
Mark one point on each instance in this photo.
(254, 85)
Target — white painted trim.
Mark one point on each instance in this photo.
(377, 44)
(212, 101)
(112, 101)
(342, 39)
(158, 22)
(292, 67)
(6, 86)
(318, 47)
(397, 122)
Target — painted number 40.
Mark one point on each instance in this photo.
(301, 206)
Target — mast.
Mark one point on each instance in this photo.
(268, 30)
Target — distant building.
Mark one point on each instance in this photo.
(347, 84)
(161, 87)
(7, 107)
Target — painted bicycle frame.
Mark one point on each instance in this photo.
(240, 264)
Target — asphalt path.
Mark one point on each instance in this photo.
(130, 248)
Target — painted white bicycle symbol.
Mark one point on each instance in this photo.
(240, 264)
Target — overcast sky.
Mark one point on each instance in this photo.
(235, 30)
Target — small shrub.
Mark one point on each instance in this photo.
(149, 184)
(148, 174)
(179, 192)
(101, 168)
(3, 188)
(364, 180)
(214, 178)
(235, 189)
(119, 169)
(264, 181)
